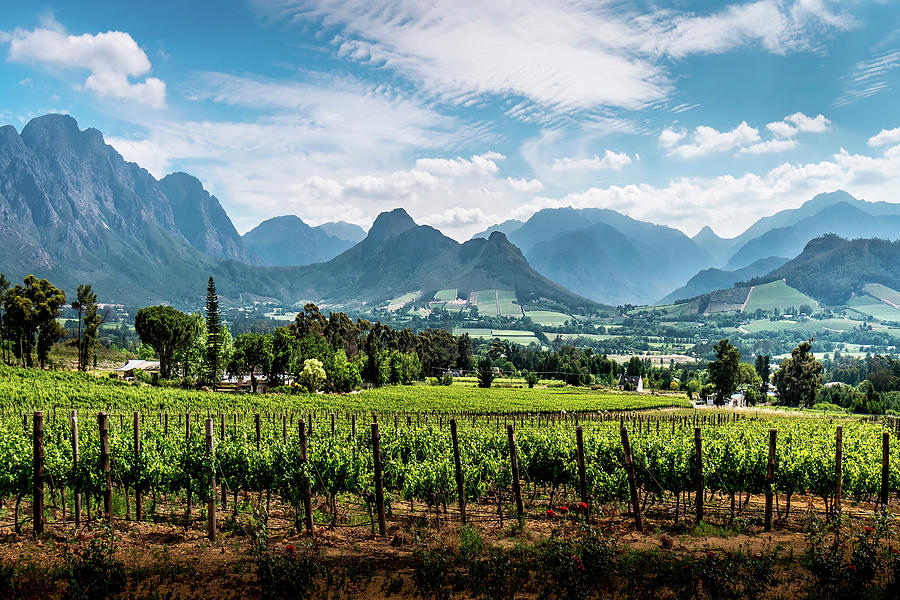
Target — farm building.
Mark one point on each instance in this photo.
(128, 369)
(635, 382)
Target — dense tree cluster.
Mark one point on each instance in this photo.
(29, 321)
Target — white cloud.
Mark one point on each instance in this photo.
(769, 147)
(456, 217)
(480, 164)
(706, 140)
(796, 123)
(113, 59)
(885, 136)
(565, 55)
(525, 185)
(868, 77)
(614, 161)
(669, 138)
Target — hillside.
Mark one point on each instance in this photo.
(831, 269)
(709, 280)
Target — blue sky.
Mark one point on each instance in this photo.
(468, 113)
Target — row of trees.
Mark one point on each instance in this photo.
(29, 321)
(315, 351)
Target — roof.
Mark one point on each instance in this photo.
(145, 365)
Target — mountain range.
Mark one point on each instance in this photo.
(74, 211)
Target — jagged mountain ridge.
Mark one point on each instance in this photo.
(287, 241)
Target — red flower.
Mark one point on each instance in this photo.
(563, 509)
(551, 513)
(869, 530)
(895, 551)
(289, 549)
(710, 555)
(583, 505)
(851, 567)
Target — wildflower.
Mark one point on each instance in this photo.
(710, 555)
(551, 513)
(851, 567)
(289, 549)
(869, 530)
(563, 509)
(895, 551)
(583, 505)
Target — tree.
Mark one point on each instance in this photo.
(485, 372)
(749, 382)
(635, 367)
(342, 375)
(32, 309)
(88, 313)
(252, 354)
(724, 372)
(531, 378)
(764, 370)
(312, 376)
(798, 377)
(212, 361)
(4, 285)
(285, 353)
(167, 331)
(465, 359)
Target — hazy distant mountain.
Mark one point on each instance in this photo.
(831, 268)
(72, 210)
(598, 262)
(288, 241)
(709, 280)
(201, 219)
(842, 218)
(343, 231)
(714, 247)
(506, 228)
(649, 262)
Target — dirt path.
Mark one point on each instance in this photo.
(747, 299)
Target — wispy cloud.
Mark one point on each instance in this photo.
(550, 54)
(707, 140)
(869, 77)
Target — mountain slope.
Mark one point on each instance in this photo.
(709, 280)
(201, 219)
(288, 241)
(842, 218)
(506, 228)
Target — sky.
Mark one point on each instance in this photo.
(470, 113)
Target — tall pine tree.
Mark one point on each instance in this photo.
(213, 361)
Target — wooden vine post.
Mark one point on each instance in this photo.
(103, 425)
(38, 482)
(582, 476)
(76, 494)
(211, 503)
(632, 481)
(885, 468)
(698, 474)
(770, 479)
(379, 483)
(460, 484)
(138, 505)
(257, 424)
(304, 484)
(514, 463)
(838, 467)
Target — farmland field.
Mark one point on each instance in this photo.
(778, 295)
(448, 294)
(401, 301)
(547, 318)
(874, 308)
(883, 293)
(508, 304)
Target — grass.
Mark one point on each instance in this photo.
(548, 318)
(868, 306)
(402, 301)
(883, 293)
(778, 295)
